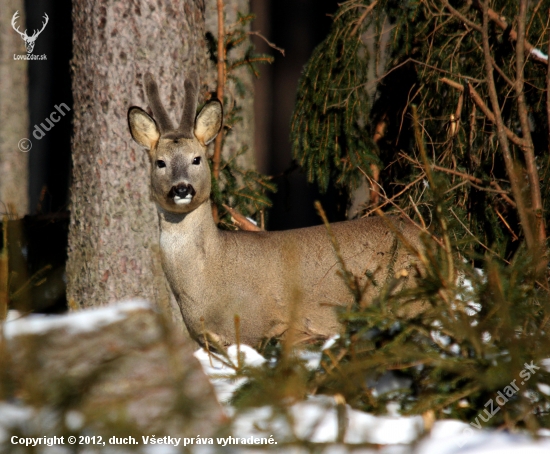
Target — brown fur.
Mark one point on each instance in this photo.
(272, 280)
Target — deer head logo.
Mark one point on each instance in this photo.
(29, 40)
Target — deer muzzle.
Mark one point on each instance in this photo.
(182, 193)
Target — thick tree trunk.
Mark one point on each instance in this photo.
(113, 239)
(14, 116)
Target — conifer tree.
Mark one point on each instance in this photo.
(351, 120)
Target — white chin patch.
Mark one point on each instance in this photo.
(183, 201)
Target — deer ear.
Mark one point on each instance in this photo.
(143, 128)
(209, 122)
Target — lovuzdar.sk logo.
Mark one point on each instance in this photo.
(29, 40)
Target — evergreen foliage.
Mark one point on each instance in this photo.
(350, 115)
(483, 287)
(329, 132)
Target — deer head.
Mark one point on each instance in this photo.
(180, 175)
(29, 40)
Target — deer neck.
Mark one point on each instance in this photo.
(188, 230)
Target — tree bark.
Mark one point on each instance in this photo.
(113, 238)
(14, 115)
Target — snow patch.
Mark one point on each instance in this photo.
(86, 320)
(221, 369)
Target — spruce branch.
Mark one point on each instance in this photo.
(368, 9)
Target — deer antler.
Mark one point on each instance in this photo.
(36, 33)
(191, 91)
(162, 118)
(13, 19)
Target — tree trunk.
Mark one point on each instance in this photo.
(14, 116)
(113, 239)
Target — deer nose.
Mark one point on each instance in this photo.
(182, 191)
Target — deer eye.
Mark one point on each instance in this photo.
(197, 160)
(161, 164)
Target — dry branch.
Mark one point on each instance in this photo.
(241, 221)
(219, 93)
(500, 21)
(528, 149)
(502, 134)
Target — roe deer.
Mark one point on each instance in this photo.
(217, 274)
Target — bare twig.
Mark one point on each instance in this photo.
(269, 43)
(417, 211)
(514, 236)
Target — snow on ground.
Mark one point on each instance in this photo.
(221, 370)
(316, 420)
